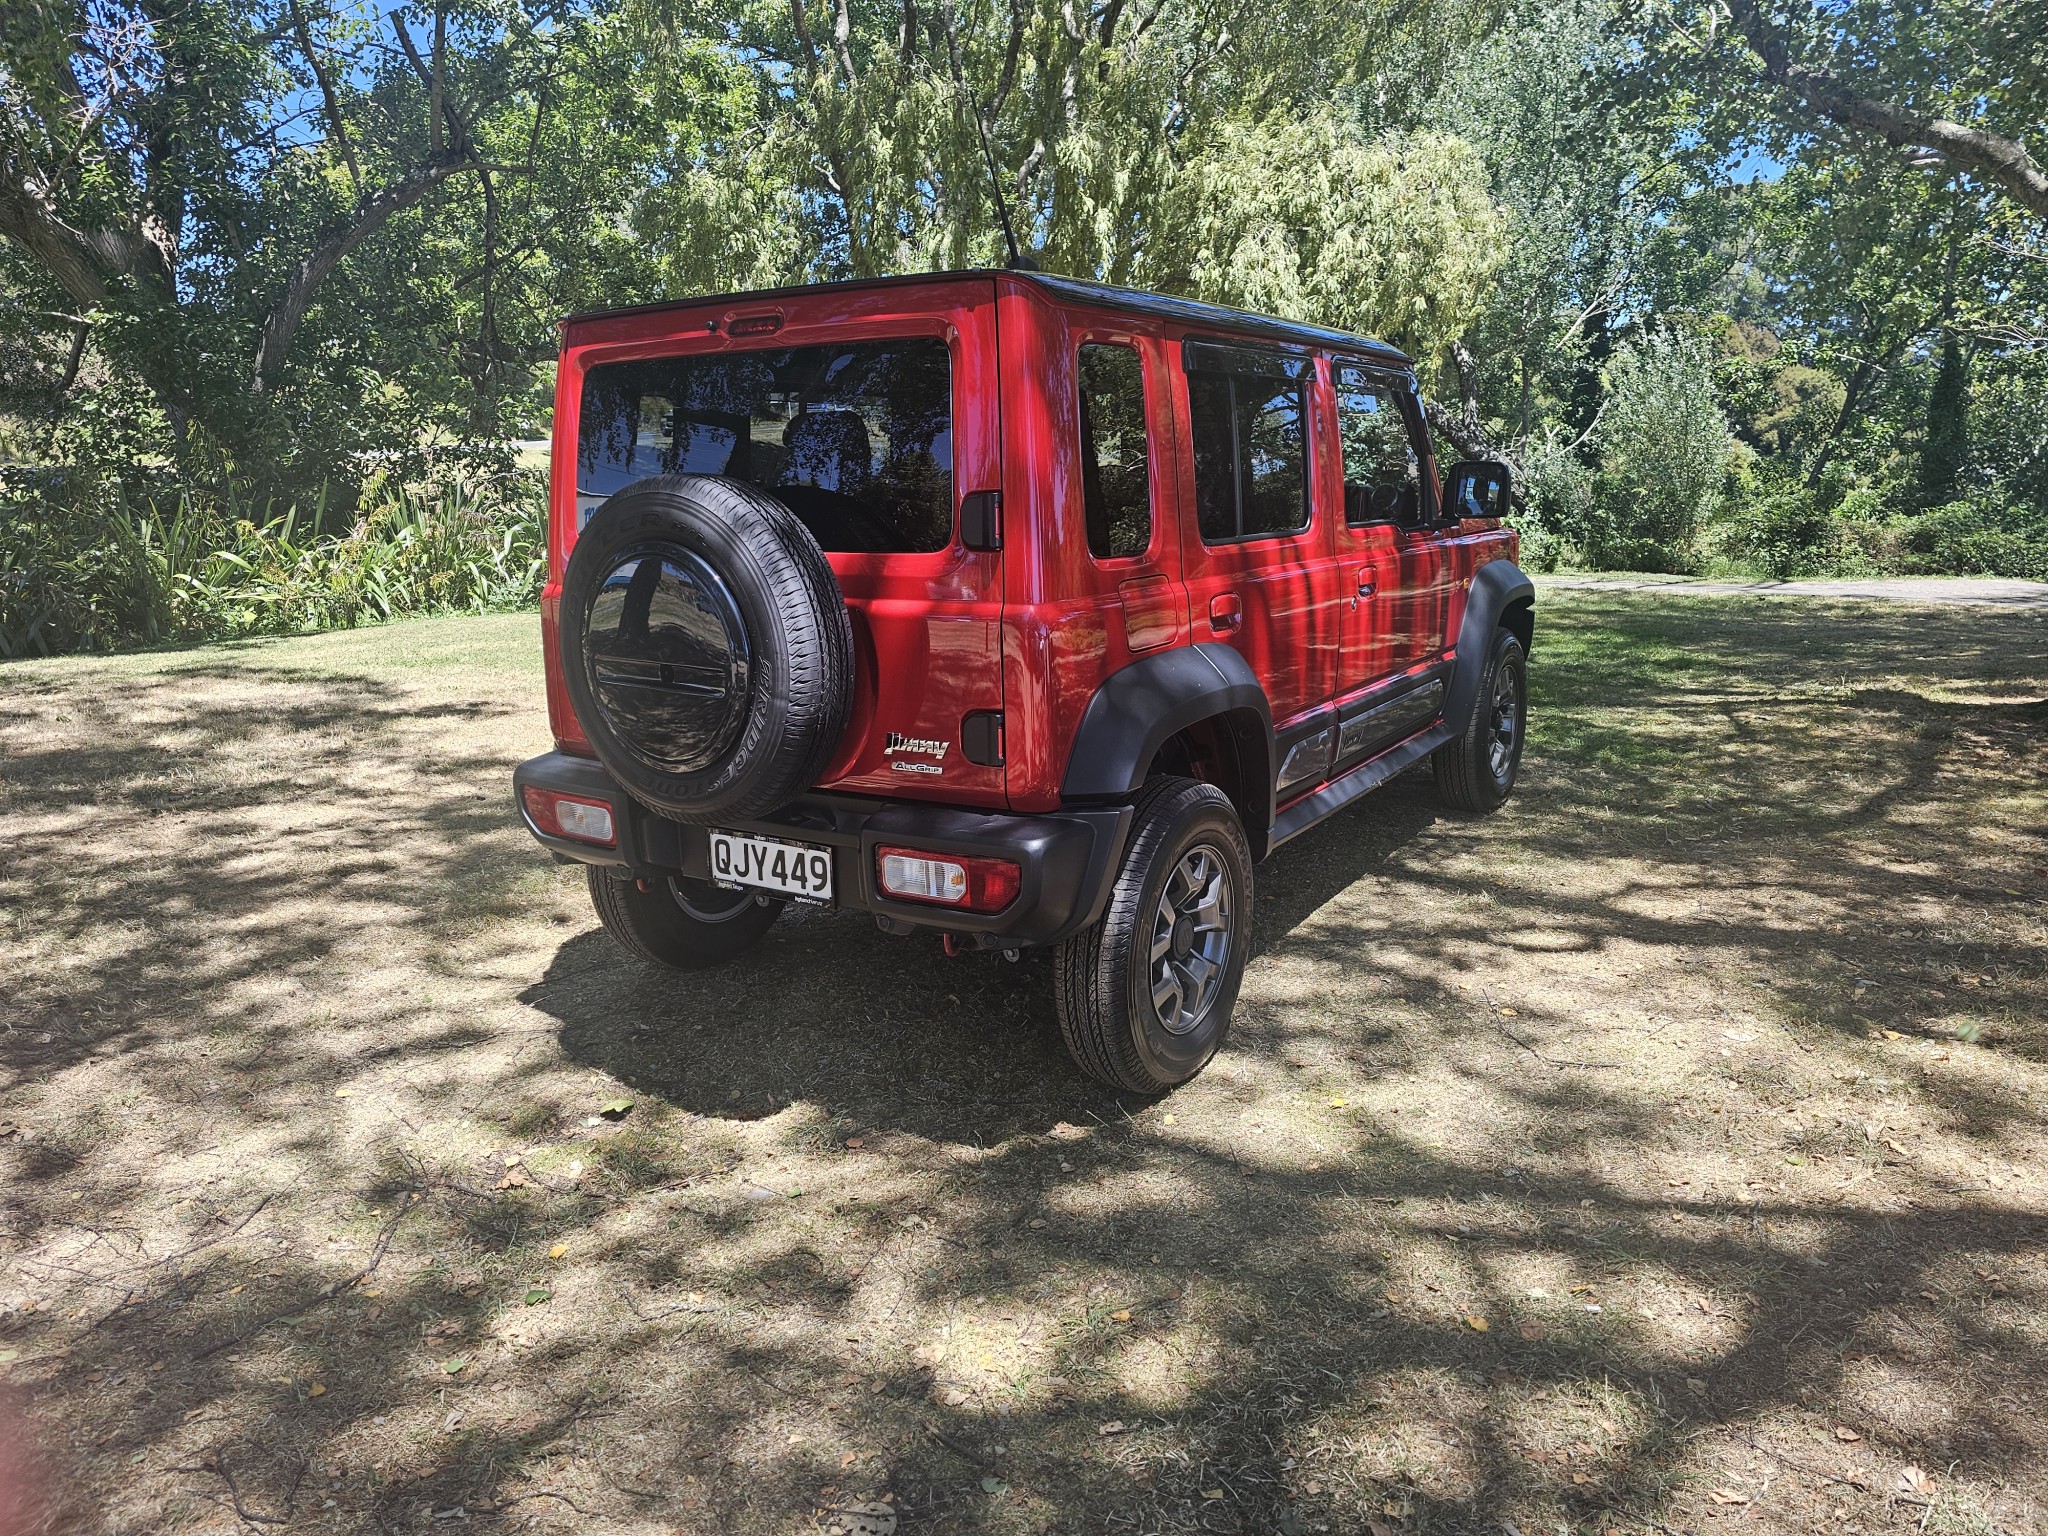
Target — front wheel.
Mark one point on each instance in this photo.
(1476, 769)
(1145, 996)
(685, 925)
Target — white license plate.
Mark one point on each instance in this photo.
(742, 862)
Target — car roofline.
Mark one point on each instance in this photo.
(1073, 290)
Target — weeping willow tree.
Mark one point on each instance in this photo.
(1228, 151)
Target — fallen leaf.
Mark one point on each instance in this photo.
(953, 1397)
(1173, 1119)
(538, 1295)
(616, 1109)
(1212, 1493)
(856, 1142)
(1395, 1298)
(1379, 1528)
(1337, 1103)
(994, 1485)
(1912, 1480)
(558, 1251)
(1113, 1427)
(1036, 1223)
(1530, 1329)
(848, 1458)
(1400, 1509)
(1727, 1496)
(1846, 1435)
(455, 1365)
(1893, 1034)
(344, 1093)
(870, 1519)
(1477, 1324)
(1509, 1013)
(1312, 1488)
(1581, 1478)
(316, 1390)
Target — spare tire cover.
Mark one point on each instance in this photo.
(706, 647)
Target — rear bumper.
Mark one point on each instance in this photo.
(1068, 858)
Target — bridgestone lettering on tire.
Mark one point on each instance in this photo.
(706, 647)
(1145, 996)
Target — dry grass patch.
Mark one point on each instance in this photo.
(1663, 1155)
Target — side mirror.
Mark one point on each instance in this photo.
(1476, 488)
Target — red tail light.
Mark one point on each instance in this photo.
(947, 879)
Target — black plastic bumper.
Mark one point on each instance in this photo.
(1068, 858)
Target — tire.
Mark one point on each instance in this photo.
(706, 647)
(1184, 836)
(685, 925)
(1475, 771)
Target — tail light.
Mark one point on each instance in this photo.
(948, 879)
(570, 816)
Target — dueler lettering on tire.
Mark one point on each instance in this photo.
(708, 651)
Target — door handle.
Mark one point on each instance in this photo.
(1367, 585)
(1226, 612)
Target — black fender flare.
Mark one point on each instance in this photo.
(1142, 706)
(1501, 592)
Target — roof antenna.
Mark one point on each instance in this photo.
(1018, 262)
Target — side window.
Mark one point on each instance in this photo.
(1250, 442)
(1116, 474)
(1382, 471)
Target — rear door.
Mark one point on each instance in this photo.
(873, 414)
(1261, 573)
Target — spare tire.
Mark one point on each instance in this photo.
(706, 647)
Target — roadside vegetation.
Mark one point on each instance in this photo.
(1733, 289)
(1667, 1155)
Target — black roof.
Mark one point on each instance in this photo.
(1187, 311)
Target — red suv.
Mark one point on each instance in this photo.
(1009, 608)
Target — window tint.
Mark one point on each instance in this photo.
(1116, 483)
(1381, 467)
(1251, 454)
(856, 439)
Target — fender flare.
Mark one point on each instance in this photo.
(1141, 706)
(1501, 592)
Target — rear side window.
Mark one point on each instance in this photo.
(1250, 443)
(1381, 466)
(855, 439)
(1116, 474)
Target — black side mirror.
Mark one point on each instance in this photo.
(1476, 488)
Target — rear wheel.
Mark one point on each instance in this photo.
(685, 925)
(1145, 995)
(1475, 771)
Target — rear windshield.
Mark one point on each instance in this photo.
(855, 439)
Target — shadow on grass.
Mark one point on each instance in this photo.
(1286, 1321)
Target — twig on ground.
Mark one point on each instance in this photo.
(411, 1201)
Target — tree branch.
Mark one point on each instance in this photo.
(1999, 159)
(371, 216)
(333, 104)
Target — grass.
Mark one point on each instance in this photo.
(1710, 1077)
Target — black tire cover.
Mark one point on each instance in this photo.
(706, 647)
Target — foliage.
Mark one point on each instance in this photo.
(287, 255)
(1664, 447)
(83, 568)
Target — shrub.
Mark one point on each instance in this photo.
(84, 569)
(1978, 538)
(1664, 447)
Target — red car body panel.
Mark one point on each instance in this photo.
(1034, 629)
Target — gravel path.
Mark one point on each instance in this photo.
(1964, 591)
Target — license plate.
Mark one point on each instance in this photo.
(743, 862)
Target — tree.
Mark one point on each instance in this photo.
(1946, 447)
(185, 181)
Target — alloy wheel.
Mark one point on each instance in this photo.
(1191, 938)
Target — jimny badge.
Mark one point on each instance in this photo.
(901, 747)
